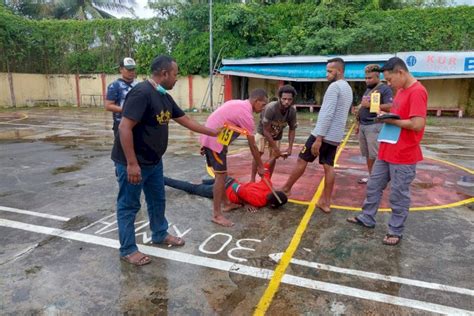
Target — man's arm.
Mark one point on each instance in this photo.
(112, 107)
(256, 154)
(291, 140)
(415, 123)
(126, 140)
(191, 124)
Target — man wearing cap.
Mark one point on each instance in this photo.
(117, 90)
(138, 149)
(367, 128)
(396, 162)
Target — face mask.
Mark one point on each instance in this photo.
(161, 90)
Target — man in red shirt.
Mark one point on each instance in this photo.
(252, 195)
(396, 162)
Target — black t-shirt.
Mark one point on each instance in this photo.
(386, 97)
(153, 111)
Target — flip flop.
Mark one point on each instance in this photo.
(171, 240)
(136, 258)
(385, 242)
(355, 220)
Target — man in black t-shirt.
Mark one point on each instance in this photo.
(367, 128)
(142, 140)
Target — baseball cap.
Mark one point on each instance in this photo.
(392, 63)
(128, 63)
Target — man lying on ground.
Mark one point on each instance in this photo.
(252, 195)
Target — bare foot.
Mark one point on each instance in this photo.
(221, 220)
(229, 207)
(324, 208)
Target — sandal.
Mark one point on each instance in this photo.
(363, 180)
(386, 241)
(355, 220)
(136, 258)
(171, 240)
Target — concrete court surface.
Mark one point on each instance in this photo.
(58, 235)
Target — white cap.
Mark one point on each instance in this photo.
(128, 63)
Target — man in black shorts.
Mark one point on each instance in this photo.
(327, 134)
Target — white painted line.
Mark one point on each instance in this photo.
(243, 269)
(375, 276)
(37, 214)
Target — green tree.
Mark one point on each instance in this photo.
(70, 9)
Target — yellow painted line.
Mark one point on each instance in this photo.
(412, 209)
(452, 164)
(275, 281)
(299, 202)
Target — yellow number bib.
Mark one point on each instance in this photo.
(225, 136)
(375, 102)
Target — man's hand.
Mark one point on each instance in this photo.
(134, 173)
(365, 101)
(357, 127)
(250, 208)
(276, 152)
(316, 146)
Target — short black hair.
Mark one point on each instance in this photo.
(273, 202)
(258, 94)
(394, 63)
(338, 60)
(286, 89)
(161, 63)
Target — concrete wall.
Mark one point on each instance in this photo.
(38, 89)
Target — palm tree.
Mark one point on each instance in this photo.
(70, 9)
(91, 9)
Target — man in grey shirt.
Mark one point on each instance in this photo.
(273, 120)
(328, 132)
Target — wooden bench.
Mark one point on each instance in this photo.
(439, 110)
(42, 102)
(310, 106)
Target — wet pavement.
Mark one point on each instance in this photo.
(58, 234)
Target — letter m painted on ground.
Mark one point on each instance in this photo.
(469, 64)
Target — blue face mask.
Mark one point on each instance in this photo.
(161, 90)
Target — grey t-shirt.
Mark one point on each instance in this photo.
(278, 121)
(386, 97)
(333, 114)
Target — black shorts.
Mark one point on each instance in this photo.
(216, 161)
(327, 152)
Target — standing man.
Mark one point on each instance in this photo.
(138, 151)
(328, 132)
(240, 114)
(396, 163)
(117, 90)
(273, 120)
(367, 128)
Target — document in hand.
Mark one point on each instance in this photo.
(389, 134)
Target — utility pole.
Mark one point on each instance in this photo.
(211, 66)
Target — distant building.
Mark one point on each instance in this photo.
(448, 76)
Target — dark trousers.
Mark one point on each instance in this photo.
(204, 189)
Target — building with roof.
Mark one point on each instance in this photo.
(448, 76)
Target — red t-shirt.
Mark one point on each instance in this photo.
(407, 103)
(253, 193)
